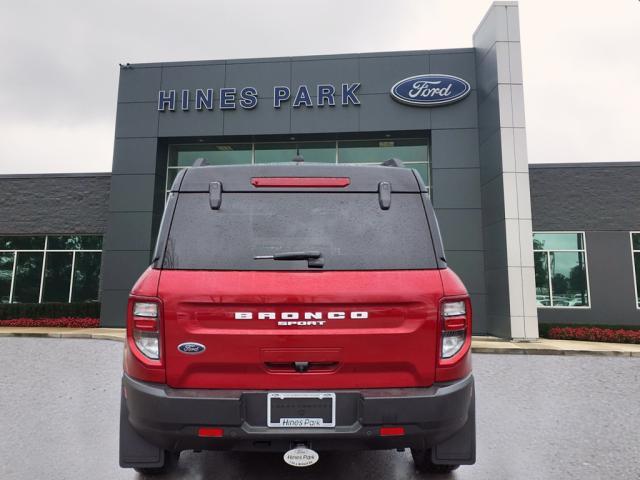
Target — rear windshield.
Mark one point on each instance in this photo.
(350, 230)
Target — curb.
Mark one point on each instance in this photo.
(91, 336)
(551, 351)
(483, 345)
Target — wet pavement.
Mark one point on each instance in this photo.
(539, 417)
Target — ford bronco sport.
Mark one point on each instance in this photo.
(298, 308)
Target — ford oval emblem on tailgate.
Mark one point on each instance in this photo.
(430, 90)
(191, 348)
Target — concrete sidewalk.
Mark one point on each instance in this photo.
(480, 344)
(96, 333)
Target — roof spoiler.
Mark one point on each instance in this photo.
(392, 162)
(200, 162)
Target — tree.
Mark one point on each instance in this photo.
(560, 284)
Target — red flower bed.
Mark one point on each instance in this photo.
(51, 322)
(595, 334)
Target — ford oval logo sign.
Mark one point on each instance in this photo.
(191, 348)
(430, 90)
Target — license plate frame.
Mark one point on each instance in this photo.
(304, 421)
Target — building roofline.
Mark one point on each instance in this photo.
(538, 166)
(54, 175)
(296, 58)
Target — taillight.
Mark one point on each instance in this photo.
(146, 328)
(210, 432)
(391, 431)
(455, 315)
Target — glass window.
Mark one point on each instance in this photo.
(635, 246)
(335, 224)
(557, 241)
(319, 152)
(19, 242)
(543, 294)
(377, 151)
(228, 154)
(26, 284)
(57, 277)
(74, 242)
(6, 273)
(560, 270)
(414, 152)
(568, 279)
(636, 260)
(86, 277)
(423, 170)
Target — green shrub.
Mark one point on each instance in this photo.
(49, 310)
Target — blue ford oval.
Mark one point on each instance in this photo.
(430, 90)
(191, 348)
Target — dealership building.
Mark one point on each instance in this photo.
(550, 243)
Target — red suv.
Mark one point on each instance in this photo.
(298, 308)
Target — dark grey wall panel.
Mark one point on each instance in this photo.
(461, 228)
(610, 268)
(461, 65)
(45, 204)
(491, 153)
(488, 116)
(130, 265)
(380, 112)
(585, 196)
(191, 123)
(455, 148)
(487, 73)
(493, 196)
(469, 265)
(137, 120)
(135, 155)
(132, 193)
(113, 311)
(479, 312)
(495, 245)
(457, 187)
(325, 119)
(129, 231)
(463, 114)
(139, 84)
(261, 75)
(380, 73)
(335, 71)
(264, 119)
(192, 77)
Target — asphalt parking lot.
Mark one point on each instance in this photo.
(539, 417)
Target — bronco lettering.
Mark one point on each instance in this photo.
(298, 315)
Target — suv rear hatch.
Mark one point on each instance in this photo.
(366, 318)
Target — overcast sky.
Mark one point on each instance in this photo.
(59, 64)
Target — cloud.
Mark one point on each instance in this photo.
(41, 147)
(59, 71)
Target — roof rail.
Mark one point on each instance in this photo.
(200, 162)
(392, 162)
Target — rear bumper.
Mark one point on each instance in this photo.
(169, 418)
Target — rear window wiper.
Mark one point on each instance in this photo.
(314, 259)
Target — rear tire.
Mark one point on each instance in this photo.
(170, 463)
(423, 462)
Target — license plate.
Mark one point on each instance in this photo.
(301, 409)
